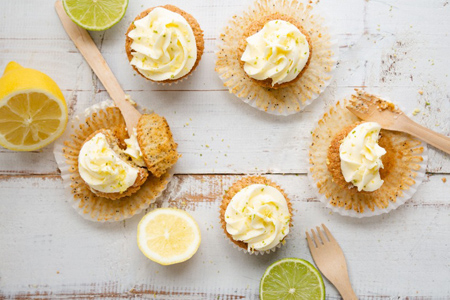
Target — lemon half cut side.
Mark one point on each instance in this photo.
(33, 111)
(168, 236)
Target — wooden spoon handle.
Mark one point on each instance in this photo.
(94, 58)
(438, 140)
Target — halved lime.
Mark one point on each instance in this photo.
(291, 278)
(95, 14)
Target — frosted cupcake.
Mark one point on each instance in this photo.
(103, 168)
(164, 44)
(278, 56)
(256, 215)
(275, 51)
(107, 169)
(360, 169)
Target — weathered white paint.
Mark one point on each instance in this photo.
(388, 51)
(392, 48)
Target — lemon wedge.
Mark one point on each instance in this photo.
(33, 112)
(168, 236)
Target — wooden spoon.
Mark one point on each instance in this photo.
(373, 109)
(94, 58)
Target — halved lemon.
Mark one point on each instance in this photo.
(33, 112)
(168, 236)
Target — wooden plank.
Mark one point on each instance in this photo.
(218, 133)
(49, 251)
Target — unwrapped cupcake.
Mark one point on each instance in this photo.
(110, 175)
(359, 169)
(164, 44)
(256, 215)
(278, 56)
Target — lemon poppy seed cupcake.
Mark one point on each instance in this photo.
(359, 169)
(256, 215)
(275, 51)
(96, 198)
(164, 44)
(277, 56)
(106, 168)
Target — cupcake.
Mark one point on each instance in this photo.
(278, 56)
(164, 44)
(256, 215)
(360, 169)
(275, 51)
(107, 169)
(103, 169)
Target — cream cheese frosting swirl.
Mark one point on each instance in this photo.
(133, 150)
(163, 45)
(361, 157)
(279, 51)
(102, 168)
(259, 216)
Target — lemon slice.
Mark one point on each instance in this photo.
(96, 14)
(33, 112)
(168, 236)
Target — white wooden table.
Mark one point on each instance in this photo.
(391, 48)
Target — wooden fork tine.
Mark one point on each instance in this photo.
(354, 111)
(324, 240)
(328, 233)
(316, 239)
(310, 242)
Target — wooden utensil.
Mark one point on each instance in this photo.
(94, 58)
(330, 260)
(367, 108)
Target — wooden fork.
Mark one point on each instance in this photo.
(367, 108)
(330, 260)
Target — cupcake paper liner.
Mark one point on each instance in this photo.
(236, 187)
(295, 97)
(85, 202)
(399, 185)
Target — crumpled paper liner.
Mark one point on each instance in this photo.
(399, 185)
(85, 202)
(295, 97)
(229, 194)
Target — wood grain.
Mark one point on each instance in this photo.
(53, 251)
(391, 48)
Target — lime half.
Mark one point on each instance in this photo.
(291, 278)
(95, 14)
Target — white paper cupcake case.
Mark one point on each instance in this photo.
(283, 101)
(400, 200)
(66, 174)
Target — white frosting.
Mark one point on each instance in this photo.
(279, 51)
(361, 157)
(102, 168)
(259, 216)
(163, 45)
(133, 150)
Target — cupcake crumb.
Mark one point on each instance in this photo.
(444, 180)
(416, 111)
(420, 92)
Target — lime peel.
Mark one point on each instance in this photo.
(291, 278)
(95, 15)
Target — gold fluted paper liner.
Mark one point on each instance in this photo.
(402, 175)
(85, 202)
(314, 80)
(233, 190)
